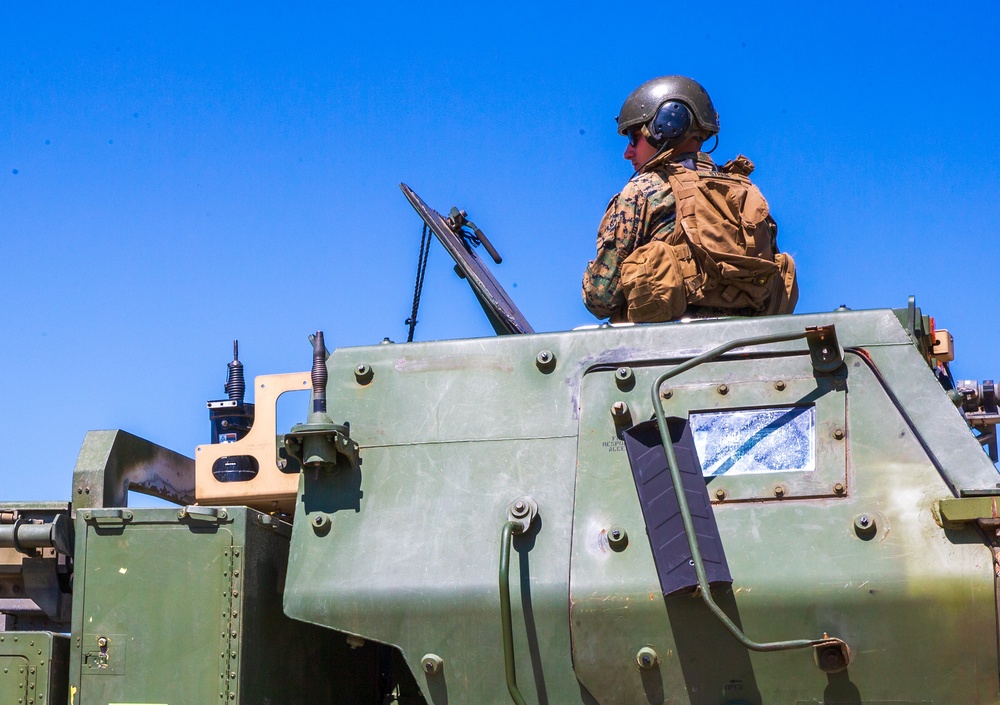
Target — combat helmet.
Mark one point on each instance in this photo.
(668, 106)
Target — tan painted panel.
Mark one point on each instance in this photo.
(271, 490)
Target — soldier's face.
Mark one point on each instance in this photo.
(638, 151)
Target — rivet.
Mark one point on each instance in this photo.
(720, 494)
(839, 488)
(838, 433)
(780, 385)
(666, 393)
(723, 389)
(779, 491)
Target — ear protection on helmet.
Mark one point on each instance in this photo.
(669, 125)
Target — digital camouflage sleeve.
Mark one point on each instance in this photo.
(626, 221)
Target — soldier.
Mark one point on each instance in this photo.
(668, 245)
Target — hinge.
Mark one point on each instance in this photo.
(232, 621)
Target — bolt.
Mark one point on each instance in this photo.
(102, 641)
(431, 663)
(723, 389)
(619, 409)
(363, 373)
(865, 526)
(520, 509)
(647, 658)
(780, 385)
(618, 538)
(720, 494)
(831, 660)
(623, 373)
(838, 433)
(839, 488)
(666, 393)
(779, 491)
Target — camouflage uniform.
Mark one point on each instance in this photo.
(642, 212)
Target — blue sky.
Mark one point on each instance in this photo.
(172, 178)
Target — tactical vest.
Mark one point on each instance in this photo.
(722, 255)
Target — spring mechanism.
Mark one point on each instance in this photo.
(236, 385)
(319, 373)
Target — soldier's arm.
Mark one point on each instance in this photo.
(616, 239)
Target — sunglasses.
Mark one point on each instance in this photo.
(634, 136)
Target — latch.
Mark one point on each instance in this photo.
(824, 349)
(99, 658)
(195, 513)
(108, 516)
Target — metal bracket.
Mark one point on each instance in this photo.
(824, 349)
(522, 511)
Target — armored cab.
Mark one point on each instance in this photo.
(792, 509)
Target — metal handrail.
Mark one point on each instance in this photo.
(506, 537)
(685, 511)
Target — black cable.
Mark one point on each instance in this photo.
(425, 248)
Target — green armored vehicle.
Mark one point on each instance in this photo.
(795, 509)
